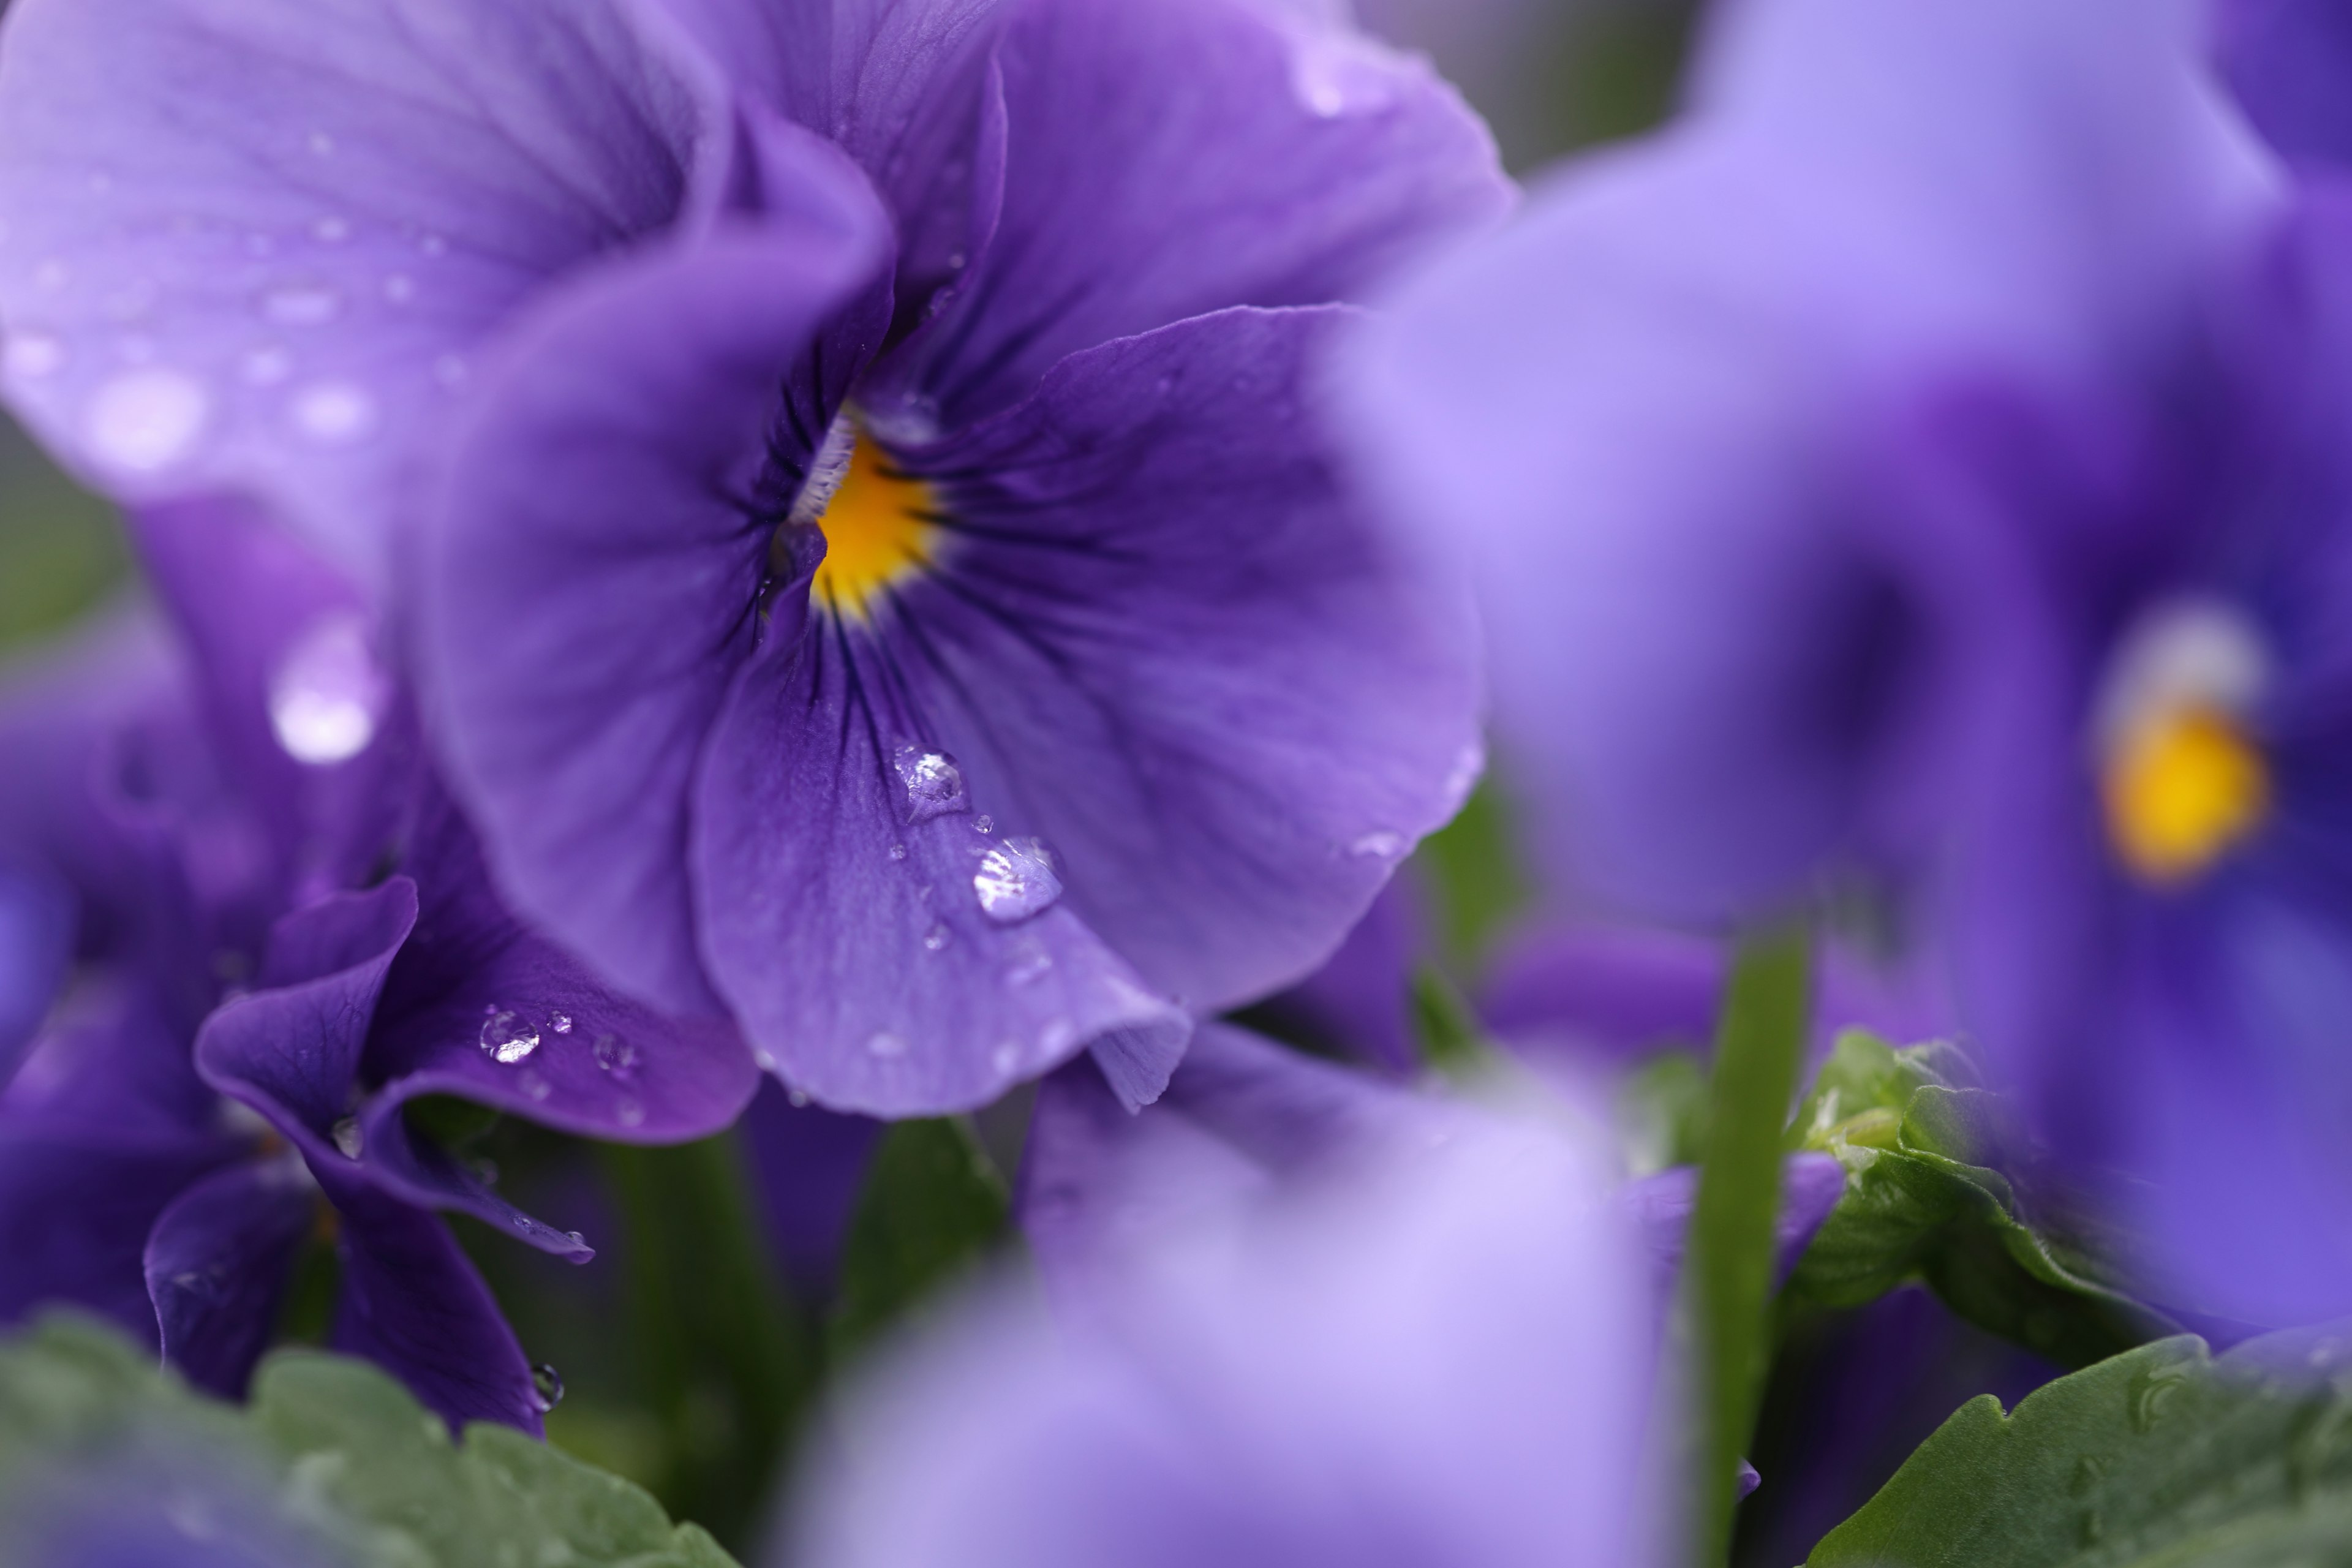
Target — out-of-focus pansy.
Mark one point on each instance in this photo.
(1439, 1355)
(2287, 61)
(1959, 496)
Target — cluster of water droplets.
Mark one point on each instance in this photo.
(510, 1038)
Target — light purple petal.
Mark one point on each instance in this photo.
(1159, 636)
(1168, 158)
(217, 1264)
(592, 579)
(1444, 1360)
(267, 264)
(1682, 351)
(414, 1304)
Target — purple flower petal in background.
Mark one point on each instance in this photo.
(950, 694)
(1360, 1004)
(258, 247)
(809, 1165)
(1959, 494)
(1443, 1357)
(217, 1262)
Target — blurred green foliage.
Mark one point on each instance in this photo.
(61, 548)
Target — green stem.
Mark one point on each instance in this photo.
(1728, 1278)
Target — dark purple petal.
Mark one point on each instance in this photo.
(1360, 1001)
(1168, 158)
(280, 289)
(217, 1264)
(1160, 637)
(415, 1305)
(593, 577)
(2288, 62)
(75, 1215)
(37, 943)
(1580, 991)
(810, 1164)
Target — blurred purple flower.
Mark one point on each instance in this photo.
(2289, 62)
(1952, 410)
(229, 1067)
(1434, 1356)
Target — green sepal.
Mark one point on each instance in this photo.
(1926, 1198)
(2161, 1456)
(348, 1455)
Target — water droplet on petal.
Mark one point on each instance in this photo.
(886, 1044)
(1031, 963)
(935, 938)
(536, 1086)
(349, 1138)
(546, 1387)
(800, 1100)
(560, 1022)
(898, 852)
(507, 1037)
(331, 230)
(983, 823)
(334, 412)
(1059, 1036)
(616, 1056)
(400, 289)
(765, 1060)
(32, 355)
(1381, 844)
(934, 785)
(1016, 880)
(144, 420)
(1005, 1057)
(629, 1113)
(328, 693)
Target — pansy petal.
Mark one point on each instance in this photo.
(1168, 158)
(75, 1215)
(292, 1050)
(37, 943)
(903, 87)
(1360, 1002)
(2288, 60)
(414, 1304)
(861, 949)
(476, 1005)
(1160, 636)
(594, 525)
(809, 1166)
(277, 288)
(217, 1264)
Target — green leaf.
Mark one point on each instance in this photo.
(932, 1210)
(1451, 1039)
(1926, 1198)
(2161, 1456)
(1661, 1114)
(344, 1452)
(1729, 1275)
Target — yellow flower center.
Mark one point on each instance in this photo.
(878, 531)
(2182, 788)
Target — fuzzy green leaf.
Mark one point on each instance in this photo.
(331, 1449)
(932, 1210)
(2161, 1456)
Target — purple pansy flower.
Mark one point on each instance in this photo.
(286, 937)
(1953, 414)
(1436, 1356)
(876, 579)
(2288, 62)
(990, 667)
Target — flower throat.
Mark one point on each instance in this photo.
(877, 521)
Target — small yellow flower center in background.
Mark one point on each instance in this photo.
(2182, 788)
(877, 530)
